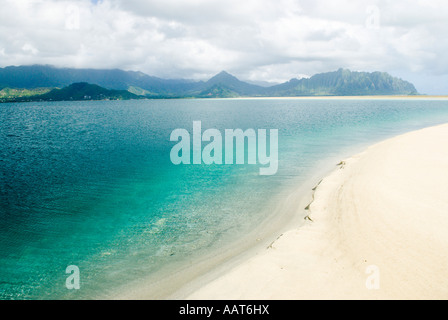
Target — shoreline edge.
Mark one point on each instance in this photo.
(376, 229)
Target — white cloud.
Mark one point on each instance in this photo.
(273, 40)
(30, 49)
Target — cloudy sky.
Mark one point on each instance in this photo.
(269, 40)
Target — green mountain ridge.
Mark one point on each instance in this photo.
(342, 82)
(80, 91)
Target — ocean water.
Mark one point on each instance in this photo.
(91, 184)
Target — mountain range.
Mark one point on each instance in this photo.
(342, 82)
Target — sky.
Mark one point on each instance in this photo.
(259, 40)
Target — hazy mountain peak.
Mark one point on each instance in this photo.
(224, 73)
(223, 76)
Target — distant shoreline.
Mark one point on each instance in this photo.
(367, 97)
(348, 97)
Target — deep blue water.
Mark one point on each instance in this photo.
(91, 184)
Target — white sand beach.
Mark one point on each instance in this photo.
(378, 229)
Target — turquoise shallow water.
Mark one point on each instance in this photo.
(91, 184)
